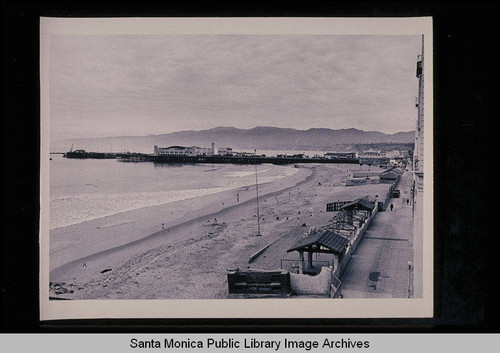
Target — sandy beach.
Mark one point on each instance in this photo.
(182, 250)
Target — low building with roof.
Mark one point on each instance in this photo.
(390, 175)
(341, 155)
(335, 242)
(183, 151)
(321, 241)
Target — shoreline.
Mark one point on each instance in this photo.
(130, 227)
(189, 260)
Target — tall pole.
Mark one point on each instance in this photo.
(410, 267)
(257, 191)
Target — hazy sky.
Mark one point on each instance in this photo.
(110, 85)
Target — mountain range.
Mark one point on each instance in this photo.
(260, 138)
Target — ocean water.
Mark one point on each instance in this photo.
(87, 189)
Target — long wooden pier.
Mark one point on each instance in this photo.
(234, 160)
(142, 157)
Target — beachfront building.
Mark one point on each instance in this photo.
(418, 168)
(363, 177)
(321, 241)
(372, 157)
(183, 151)
(390, 176)
(394, 154)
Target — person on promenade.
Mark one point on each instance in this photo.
(392, 206)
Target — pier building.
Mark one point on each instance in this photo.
(225, 151)
(192, 151)
(341, 155)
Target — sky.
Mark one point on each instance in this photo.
(136, 85)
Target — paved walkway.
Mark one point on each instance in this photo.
(379, 267)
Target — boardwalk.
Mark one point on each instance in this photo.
(379, 267)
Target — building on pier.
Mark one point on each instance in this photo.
(341, 155)
(191, 151)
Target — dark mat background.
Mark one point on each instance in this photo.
(466, 146)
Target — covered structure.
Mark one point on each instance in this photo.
(366, 203)
(358, 210)
(321, 241)
(390, 175)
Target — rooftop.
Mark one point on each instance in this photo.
(334, 242)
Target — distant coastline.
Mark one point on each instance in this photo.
(260, 138)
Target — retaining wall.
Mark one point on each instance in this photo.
(305, 284)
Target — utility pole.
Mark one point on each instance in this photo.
(410, 267)
(257, 191)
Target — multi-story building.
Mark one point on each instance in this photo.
(418, 174)
(372, 157)
(418, 152)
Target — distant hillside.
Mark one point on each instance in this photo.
(260, 138)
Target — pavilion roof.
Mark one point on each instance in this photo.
(364, 203)
(334, 242)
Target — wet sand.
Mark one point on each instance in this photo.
(188, 259)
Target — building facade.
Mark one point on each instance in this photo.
(182, 151)
(418, 175)
(373, 157)
(341, 155)
(225, 151)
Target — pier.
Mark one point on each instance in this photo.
(216, 159)
(236, 159)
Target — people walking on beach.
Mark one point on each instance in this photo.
(84, 265)
(392, 206)
(407, 202)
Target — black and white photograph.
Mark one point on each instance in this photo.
(235, 167)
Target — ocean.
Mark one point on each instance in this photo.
(88, 189)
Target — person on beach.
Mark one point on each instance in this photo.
(392, 206)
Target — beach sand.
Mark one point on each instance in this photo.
(130, 256)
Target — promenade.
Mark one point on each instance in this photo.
(379, 267)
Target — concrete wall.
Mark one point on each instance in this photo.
(339, 270)
(362, 230)
(320, 284)
(305, 284)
